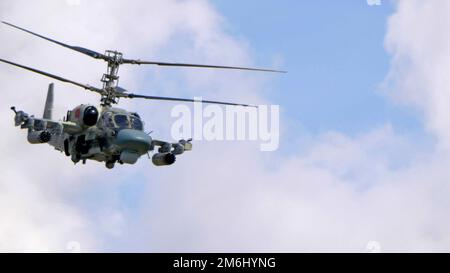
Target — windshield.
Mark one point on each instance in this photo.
(122, 121)
(136, 123)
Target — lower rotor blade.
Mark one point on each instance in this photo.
(87, 87)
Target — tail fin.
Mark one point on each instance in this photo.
(49, 103)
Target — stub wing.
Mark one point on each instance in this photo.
(64, 127)
(52, 127)
(70, 127)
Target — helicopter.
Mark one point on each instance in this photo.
(105, 133)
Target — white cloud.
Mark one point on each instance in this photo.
(419, 41)
(336, 193)
(47, 201)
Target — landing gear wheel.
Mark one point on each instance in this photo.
(109, 165)
(76, 158)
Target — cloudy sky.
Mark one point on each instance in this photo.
(365, 142)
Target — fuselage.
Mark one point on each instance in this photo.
(110, 135)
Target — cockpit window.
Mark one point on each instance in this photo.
(108, 120)
(136, 123)
(122, 121)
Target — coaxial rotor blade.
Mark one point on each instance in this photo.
(132, 96)
(98, 55)
(87, 87)
(127, 61)
(83, 50)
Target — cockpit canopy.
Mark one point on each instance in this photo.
(122, 121)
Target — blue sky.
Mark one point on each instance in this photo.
(334, 52)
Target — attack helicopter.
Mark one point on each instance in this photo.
(106, 133)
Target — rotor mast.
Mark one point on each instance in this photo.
(111, 79)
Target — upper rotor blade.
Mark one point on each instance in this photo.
(127, 61)
(87, 87)
(83, 50)
(132, 96)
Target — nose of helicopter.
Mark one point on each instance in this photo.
(134, 140)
